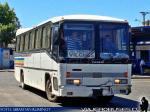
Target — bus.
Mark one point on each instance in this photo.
(75, 56)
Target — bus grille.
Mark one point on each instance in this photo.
(95, 75)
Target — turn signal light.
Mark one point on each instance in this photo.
(126, 74)
(68, 74)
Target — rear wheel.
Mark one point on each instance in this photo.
(23, 85)
(49, 94)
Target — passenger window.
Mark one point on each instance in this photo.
(18, 44)
(44, 37)
(30, 41)
(26, 41)
(22, 43)
(55, 41)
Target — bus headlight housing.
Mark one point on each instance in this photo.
(73, 81)
(117, 81)
(121, 81)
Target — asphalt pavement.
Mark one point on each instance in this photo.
(12, 95)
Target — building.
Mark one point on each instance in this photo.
(140, 46)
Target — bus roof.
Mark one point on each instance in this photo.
(22, 30)
(75, 17)
(84, 18)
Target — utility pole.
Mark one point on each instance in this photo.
(144, 14)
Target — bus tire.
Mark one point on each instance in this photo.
(50, 96)
(23, 85)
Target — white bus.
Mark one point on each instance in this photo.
(75, 56)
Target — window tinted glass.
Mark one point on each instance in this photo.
(113, 38)
(30, 41)
(26, 41)
(44, 37)
(22, 43)
(18, 44)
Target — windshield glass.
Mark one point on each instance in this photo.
(78, 41)
(113, 40)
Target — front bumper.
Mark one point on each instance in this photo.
(83, 91)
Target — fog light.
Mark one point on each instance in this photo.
(76, 82)
(117, 81)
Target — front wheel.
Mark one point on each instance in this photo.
(49, 94)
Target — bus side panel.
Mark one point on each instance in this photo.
(34, 78)
(52, 68)
(33, 74)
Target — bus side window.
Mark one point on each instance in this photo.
(36, 39)
(22, 43)
(30, 40)
(49, 37)
(18, 44)
(40, 38)
(26, 42)
(43, 37)
(33, 40)
(55, 41)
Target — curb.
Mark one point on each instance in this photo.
(6, 70)
(141, 77)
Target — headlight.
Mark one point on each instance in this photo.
(76, 82)
(73, 81)
(121, 81)
(117, 81)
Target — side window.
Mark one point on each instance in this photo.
(22, 43)
(30, 41)
(34, 35)
(26, 42)
(48, 37)
(55, 40)
(18, 44)
(44, 37)
(38, 39)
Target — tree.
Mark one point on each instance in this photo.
(9, 23)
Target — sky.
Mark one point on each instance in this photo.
(33, 12)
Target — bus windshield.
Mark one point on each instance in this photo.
(103, 41)
(78, 41)
(113, 40)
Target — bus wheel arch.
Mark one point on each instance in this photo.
(48, 88)
(23, 85)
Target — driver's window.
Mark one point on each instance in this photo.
(55, 42)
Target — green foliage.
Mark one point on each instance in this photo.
(9, 24)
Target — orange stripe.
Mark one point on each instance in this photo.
(19, 63)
